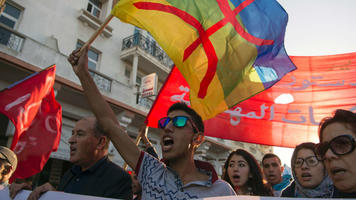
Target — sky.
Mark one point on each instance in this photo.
(318, 27)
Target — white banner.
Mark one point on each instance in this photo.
(52, 195)
(259, 198)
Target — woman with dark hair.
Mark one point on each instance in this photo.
(337, 136)
(310, 176)
(244, 174)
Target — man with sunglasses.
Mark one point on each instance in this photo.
(337, 149)
(8, 164)
(178, 176)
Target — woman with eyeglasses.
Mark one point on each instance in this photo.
(244, 174)
(310, 176)
(337, 150)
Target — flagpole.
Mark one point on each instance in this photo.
(138, 139)
(2, 5)
(97, 32)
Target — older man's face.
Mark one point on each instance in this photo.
(83, 143)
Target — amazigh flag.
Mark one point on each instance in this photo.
(31, 106)
(227, 50)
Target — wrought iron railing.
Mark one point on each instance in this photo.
(9, 38)
(145, 102)
(101, 81)
(148, 45)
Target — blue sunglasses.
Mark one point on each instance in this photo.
(178, 121)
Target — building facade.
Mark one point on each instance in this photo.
(37, 34)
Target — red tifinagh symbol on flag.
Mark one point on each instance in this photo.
(230, 16)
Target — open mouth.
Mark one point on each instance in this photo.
(306, 175)
(271, 176)
(72, 150)
(236, 177)
(167, 144)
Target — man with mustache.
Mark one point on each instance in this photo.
(93, 173)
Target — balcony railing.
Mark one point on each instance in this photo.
(103, 83)
(145, 102)
(149, 46)
(9, 38)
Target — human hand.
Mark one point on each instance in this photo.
(38, 191)
(79, 60)
(15, 188)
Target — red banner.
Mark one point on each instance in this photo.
(285, 115)
(32, 108)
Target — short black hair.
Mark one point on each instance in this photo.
(271, 155)
(194, 115)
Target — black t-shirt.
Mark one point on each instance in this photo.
(103, 179)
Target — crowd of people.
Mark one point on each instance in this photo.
(323, 170)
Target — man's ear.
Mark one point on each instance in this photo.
(198, 139)
(102, 142)
(282, 168)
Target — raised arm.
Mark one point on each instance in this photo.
(102, 110)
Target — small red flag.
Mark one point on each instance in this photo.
(31, 106)
(175, 89)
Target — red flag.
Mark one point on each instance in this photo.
(175, 89)
(32, 108)
(285, 115)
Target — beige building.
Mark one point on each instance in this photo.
(37, 34)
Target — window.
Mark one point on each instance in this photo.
(10, 16)
(94, 7)
(93, 57)
(127, 73)
(138, 80)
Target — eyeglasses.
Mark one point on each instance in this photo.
(178, 121)
(340, 145)
(311, 161)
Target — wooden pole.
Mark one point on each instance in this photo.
(97, 32)
(138, 139)
(2, 5)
